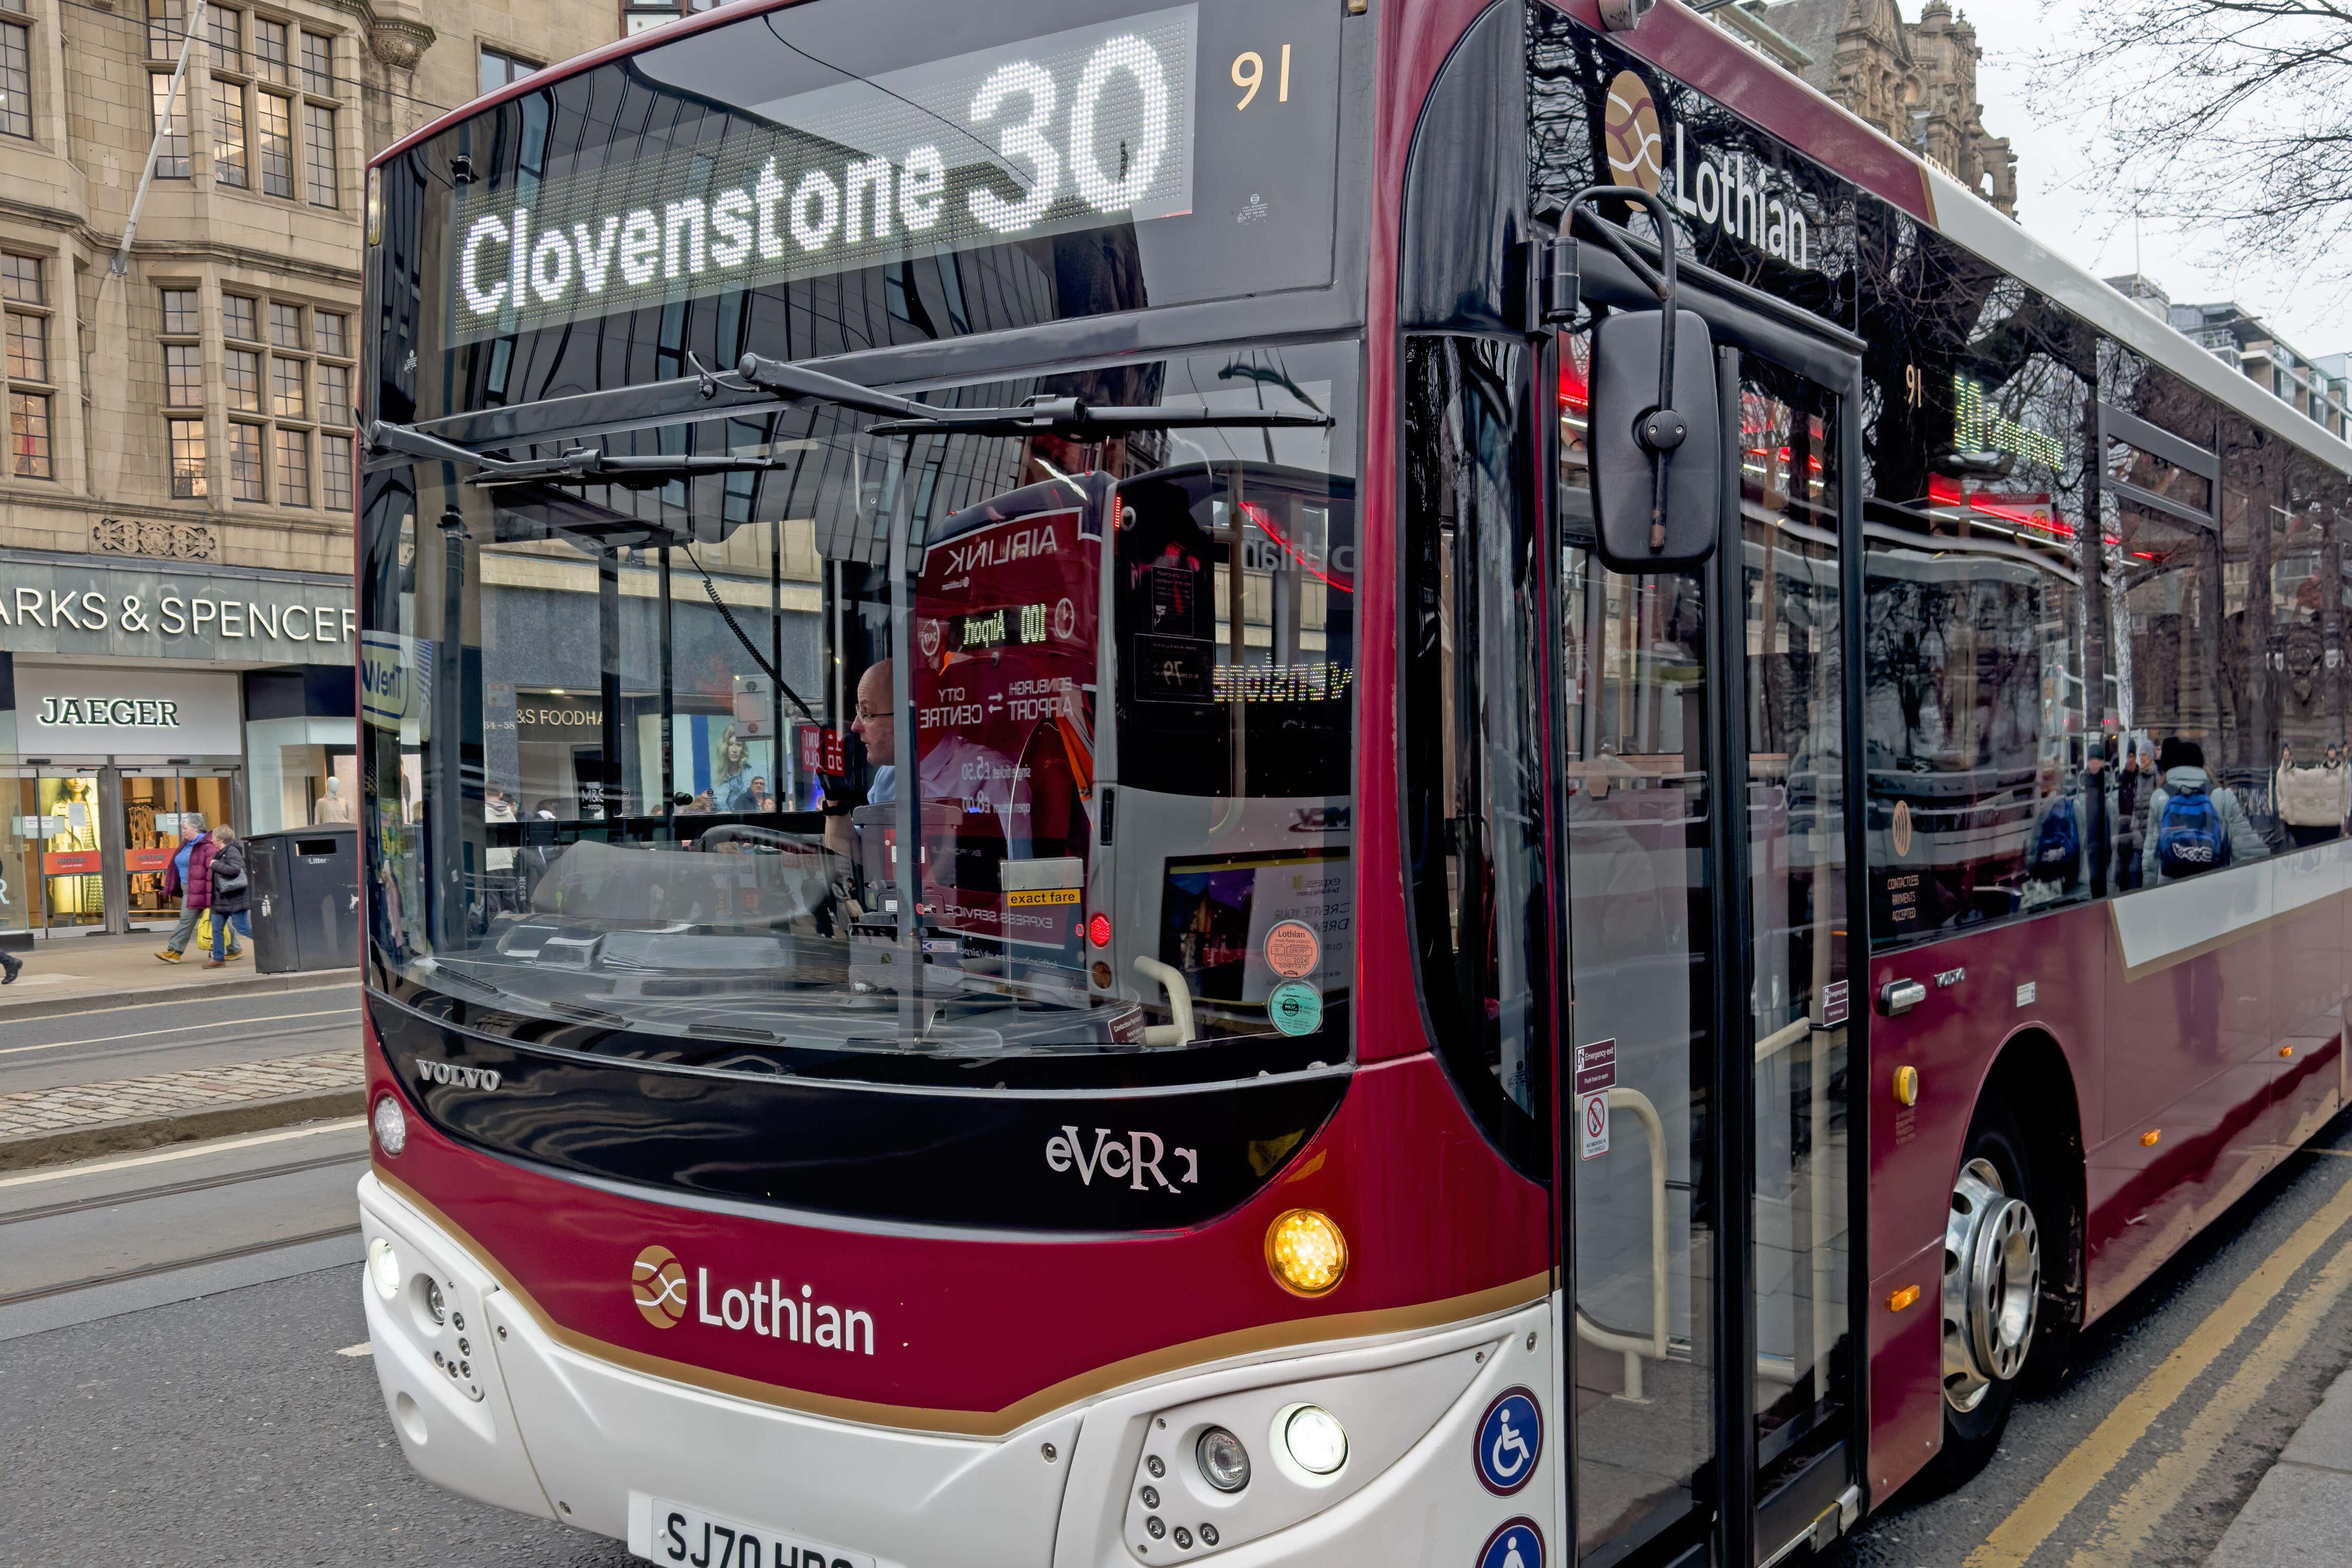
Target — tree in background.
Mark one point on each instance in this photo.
(2229, 113)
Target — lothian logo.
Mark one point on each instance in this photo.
(659, 1285)
(658, 1281)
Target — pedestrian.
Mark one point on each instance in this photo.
(232, 891)
(188, 878)
(2194, 824)
(11, 966)
(760, 798)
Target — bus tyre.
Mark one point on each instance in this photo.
(1991, 1291)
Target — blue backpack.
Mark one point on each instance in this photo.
(2189, 837)
(2058, 847)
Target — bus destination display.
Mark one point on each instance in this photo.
(1047, 135)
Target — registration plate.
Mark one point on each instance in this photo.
(702, 1540)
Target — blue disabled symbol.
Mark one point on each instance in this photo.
(1510, 1438)
(1518, 1544)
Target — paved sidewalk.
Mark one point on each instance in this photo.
(2302, 1512)
(43, 1126)
(82, 973)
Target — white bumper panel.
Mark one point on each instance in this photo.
(453, 1439)
(597, 1441)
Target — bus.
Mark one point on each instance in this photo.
(1106, 824)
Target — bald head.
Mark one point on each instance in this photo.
(876, 723)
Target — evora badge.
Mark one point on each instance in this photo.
(658, 1281)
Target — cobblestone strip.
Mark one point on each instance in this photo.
(39, 1111)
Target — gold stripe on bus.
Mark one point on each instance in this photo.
(1176, 1358)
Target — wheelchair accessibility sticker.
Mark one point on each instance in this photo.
(1510, 1437)
(1518, 1544)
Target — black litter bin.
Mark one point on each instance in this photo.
(306, 898)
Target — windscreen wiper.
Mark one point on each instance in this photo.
(1067, 415)
(580, 465)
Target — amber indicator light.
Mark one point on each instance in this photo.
(1907, 1296)
(2147, 1139)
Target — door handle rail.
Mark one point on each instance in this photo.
(1899, 997)
(1633, 1347)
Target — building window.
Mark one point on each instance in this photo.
(224, 37)
(277, 124)
(288, 397)
(319, 149)
(637, 16)
(187, 457)
(25, 296)
(335, 393)
(269, 51)
(228, 132)
(16, 79)
(306, 397)
(167, 23)
(293, 467)
(335, 471)
(499, 68)
(241, 374)
(244, 480)
(172, 154)
(184, 393)
(183, 375)
(318, 64)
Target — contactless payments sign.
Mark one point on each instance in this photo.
(1065, 131)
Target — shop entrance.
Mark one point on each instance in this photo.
(88, 845)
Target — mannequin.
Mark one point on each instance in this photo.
(332, 806)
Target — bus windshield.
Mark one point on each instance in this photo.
(945, 744)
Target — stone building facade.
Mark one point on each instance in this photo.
(175, 487)
(1916, 82)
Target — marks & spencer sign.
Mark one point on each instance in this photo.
(64, 609)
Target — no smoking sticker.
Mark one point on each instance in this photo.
(1291, 949)
(1593, 1125)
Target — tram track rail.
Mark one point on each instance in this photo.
(175, 1189)
(171, 1265)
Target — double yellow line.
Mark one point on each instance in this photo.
(2133, 1516)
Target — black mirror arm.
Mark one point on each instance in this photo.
(1663, 429)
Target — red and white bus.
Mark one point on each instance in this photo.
(1087, 845)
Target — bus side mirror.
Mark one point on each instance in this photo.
(1657, 469)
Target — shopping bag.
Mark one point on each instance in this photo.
(204, 931)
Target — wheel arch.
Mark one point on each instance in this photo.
(2032, 1075)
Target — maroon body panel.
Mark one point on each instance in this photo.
(2231, 1058)
(978, 1333)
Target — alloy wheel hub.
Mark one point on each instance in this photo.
(1992, 1285)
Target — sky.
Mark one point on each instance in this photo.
(2060, 179)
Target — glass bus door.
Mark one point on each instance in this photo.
(1705, 1147)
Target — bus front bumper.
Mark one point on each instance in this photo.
(598, 1446)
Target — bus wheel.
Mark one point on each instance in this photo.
(1993, 1289)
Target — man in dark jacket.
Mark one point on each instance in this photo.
(231, 892)
(188, 878)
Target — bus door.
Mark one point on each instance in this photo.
(1706, 1146)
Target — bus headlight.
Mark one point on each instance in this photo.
(1315, 1440)
(384, 1268)
(1224, 1463)
(391, 1126)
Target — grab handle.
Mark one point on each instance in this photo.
(1180, 1003)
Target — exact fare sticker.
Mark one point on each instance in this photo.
(1292, 950)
